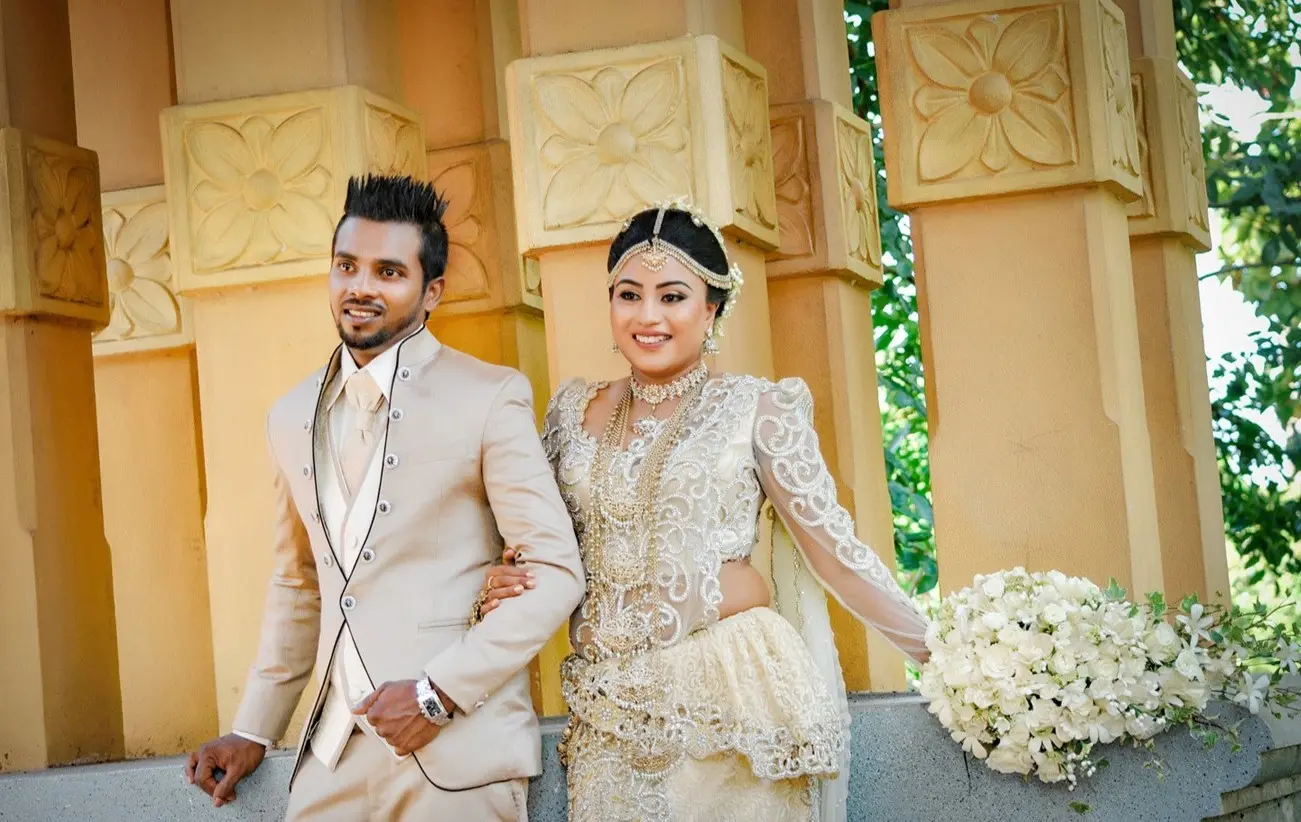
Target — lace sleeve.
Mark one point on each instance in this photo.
(802, 491)
(552, 427)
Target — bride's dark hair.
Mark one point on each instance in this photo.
(678, 229)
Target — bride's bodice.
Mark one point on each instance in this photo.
(706, 513)
(745, 440)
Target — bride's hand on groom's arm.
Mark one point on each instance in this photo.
(504, 582)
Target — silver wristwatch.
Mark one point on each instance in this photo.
(430, 705)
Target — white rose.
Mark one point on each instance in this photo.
(994, 621)
(1009, 758)
(996, 662)
(993, 587)
(1054, 613)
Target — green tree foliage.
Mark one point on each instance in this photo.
(1256, 186)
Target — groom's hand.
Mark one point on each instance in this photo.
(392, 710)
(236, 756)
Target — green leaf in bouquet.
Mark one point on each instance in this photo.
(1081, 807)
(1187, 603)
(1114, 592)
(1156, 601)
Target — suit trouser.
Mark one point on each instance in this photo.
(369, 784)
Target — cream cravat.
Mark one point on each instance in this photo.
(359, 443)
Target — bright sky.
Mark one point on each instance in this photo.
(1227, 321)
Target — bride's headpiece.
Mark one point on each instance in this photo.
(656, 251)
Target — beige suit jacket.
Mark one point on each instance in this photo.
(464, 475)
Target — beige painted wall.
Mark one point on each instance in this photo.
(153, 516)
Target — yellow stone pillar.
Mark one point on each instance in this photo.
(492, 307)
(58, 650)
(1010, 140)
(151, 466)
(1168, 226)
(280, 103)
(821, 277)
(607, 118)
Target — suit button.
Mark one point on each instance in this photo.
(478, 705)
(383, 507)
(396, 414)
(404, 374)
(316, 518)
(307, 426)
(349, 603)
(391, 460)
(328, 560)
(368, 555)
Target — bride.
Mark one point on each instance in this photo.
(695, 693)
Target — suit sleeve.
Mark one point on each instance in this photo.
(290, 625)
(532, 519)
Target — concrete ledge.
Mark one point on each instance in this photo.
(904, 767)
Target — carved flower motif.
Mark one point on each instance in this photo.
(261, 199)
(790, 176)
(858, 192)
(458, 184)
(140, 301)
(989, 94)
(747, 126)
(63, 195)
(395, 144)
(617, 143)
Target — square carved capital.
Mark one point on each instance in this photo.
(255, 185)
(597, 136)
(484, 270)
(1174, 199)
(825, 179)
(989, 97)
(51, 240)
(145, 310)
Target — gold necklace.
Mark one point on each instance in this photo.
(610, 573)
(655, 395)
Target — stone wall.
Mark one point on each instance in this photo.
(903, 767)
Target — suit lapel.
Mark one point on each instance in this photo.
(320, 445)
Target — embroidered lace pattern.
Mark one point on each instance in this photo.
(647, 716)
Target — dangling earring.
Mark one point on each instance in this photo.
(711, 342)
(614, 348)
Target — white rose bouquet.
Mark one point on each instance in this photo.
(1030, 672)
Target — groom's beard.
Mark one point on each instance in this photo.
(380, 337)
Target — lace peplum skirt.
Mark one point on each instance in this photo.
(733, 723)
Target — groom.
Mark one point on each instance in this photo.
(402, 469)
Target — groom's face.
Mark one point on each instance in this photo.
(377, 289)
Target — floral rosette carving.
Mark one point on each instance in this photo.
(994, 92)
(395, 145)
(1191, 159)
(67, 243)
(261, 190)
(858, 193)
(467, 277)
(792, 190)
(746, 99)
(619, 142)
(1121, 126)
(140, 298)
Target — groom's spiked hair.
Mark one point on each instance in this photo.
(402, 199)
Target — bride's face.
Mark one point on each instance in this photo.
(659, 318)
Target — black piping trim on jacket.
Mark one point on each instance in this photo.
(314, 716)
(330, 369)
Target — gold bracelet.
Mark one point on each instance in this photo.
(476, 611)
